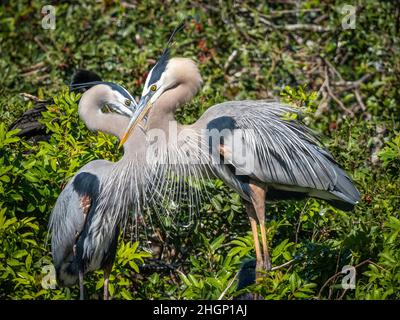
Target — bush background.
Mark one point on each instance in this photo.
(293, 50)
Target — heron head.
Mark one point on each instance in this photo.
(110, 94)
(120, 100)
(157, 82)
(166, 74)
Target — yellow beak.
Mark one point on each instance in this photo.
(136, 119)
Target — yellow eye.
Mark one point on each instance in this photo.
(153, 87)
(127, 102)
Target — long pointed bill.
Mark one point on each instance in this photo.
(143, 108)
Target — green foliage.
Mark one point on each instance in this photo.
(309, 69)
(390, 155)
(31, 178)
(384, 277)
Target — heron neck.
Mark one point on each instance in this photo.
(95, 120)
(163, 111)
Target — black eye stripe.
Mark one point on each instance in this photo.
(159, 68)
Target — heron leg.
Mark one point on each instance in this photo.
(266, 258)
(81, 286)
(80, 272)
(253, 222)
(258, 201)
(107, 272)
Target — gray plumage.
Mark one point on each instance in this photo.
(251, 145)
(67, 220)
(75, 212)
(287, 156)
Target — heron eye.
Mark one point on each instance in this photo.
(153, 87)
(127, 102)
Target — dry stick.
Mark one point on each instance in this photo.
(332, 95)
(319, 19)
(128, 5)
(299, 223)
(336, 270)
(33, 71)
(342, 295)
(288, 263)
(282, 12)
(295, 27)
(347, 85)
(359, 99)
(321, 89)
(231, 59)
(36, 66)
(41, 78)
(29, 96)
(340, 103)
(228, 286)
(331, 67)
(40, 44)
(324, 100)
(303, 27)
(206, 6)
(355, 267)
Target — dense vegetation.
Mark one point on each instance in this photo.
(297, 51)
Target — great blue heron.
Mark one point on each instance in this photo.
(74, 251)
(260, 152)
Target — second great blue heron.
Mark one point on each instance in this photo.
(282, 159)
(74, 251)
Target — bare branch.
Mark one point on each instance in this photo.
(347, 85)
(369, 261)
(304, 27)
(230, 60)
(288, 263)
(228, 286)
(359, 100)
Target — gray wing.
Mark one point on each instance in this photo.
(283, 153)
(67, 218)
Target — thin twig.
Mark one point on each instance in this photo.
(340, 103)
(288, 263)
(29, 96)
(230, 60)
(299, 223)
(348, 85)
(228, 286)
(336, 270)
(303, 27)
(40, 44)
(340, 272)
(292, 11)
(342, 295)
(36, 66)
(359, 100)
(332, 95)
(331, 67)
